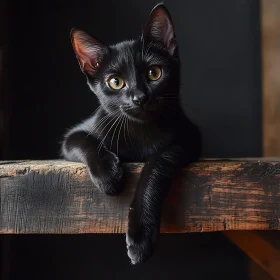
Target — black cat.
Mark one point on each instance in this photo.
(139, 119)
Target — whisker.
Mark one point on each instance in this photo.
(128, 132)
(119, 134)
(119, 120)
(124, 130)
(106, 126)
(172, 108)
(102, 142)
(95, 110)
(171, 93)
(101, 122)
(143, 42)
(96, 125)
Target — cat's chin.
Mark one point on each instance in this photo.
(141, 117)
(135, 119)
(138, 116)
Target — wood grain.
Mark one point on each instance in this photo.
(270, 28)
(58, 197)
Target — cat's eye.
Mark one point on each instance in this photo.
(116, 82)
(154, 73)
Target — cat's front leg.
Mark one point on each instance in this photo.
(145, 210)
(104, 167)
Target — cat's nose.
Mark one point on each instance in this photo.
(140, 100)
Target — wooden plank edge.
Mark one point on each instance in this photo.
(57, 197)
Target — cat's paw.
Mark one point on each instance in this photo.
(110, 175)
(112, 184)
(141, 242)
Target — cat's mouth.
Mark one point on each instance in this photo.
(138, 114)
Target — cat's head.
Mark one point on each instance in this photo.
(134, 77)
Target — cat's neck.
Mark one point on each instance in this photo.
(166, 119)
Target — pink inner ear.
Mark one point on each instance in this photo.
(88, 59)
(160, 28)
(87, 51)
(168, 33)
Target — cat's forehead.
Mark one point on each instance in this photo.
(125, 50)
(127, 45)
(135, 51)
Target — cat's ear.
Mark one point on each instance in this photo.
(160, 28)
(89, 51)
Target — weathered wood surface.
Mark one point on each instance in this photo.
(58, 197)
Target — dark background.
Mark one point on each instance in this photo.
(220, 50)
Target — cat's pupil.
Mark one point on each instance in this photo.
(116, 82)
(152, 72)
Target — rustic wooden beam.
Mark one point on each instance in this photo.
(58, 197)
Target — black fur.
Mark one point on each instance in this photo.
(141, 122)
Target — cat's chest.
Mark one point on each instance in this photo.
(133, 142)
(138, 143)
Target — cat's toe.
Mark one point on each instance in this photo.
(110, 176)
(137, 254)
(139, 249)
(113, 184)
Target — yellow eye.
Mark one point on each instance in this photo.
(154, 73)
(116, 82)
